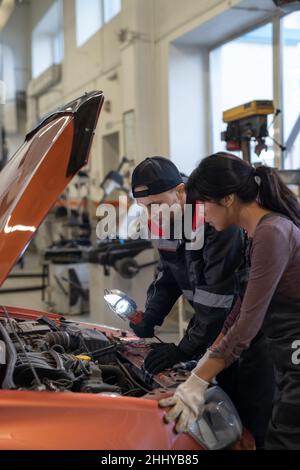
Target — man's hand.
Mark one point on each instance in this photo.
(142, 329)
(163, 356)
(187, 403)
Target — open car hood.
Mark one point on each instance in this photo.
(40, 170)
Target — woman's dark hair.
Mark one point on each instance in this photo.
(222, 174)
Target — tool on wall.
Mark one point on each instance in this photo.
(115, 179)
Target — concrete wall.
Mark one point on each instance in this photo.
(140, 66)
(37, 10)
(134, 73)
(172, 15)
(15, 38)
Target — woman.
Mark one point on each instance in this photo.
(258, 201)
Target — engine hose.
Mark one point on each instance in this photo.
(87, 387)
(114, 371)
(24, 377)
(58, 348)
(59, 338)
(132, 379)
(103, 351)
(8, 381)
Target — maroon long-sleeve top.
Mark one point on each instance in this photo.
(275, 269)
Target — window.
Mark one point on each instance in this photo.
(111, 9)
(291, 89)
(48, 40)
(91, 15)
(7, 73)
(89, 19)
(8, 88)
(240, 71)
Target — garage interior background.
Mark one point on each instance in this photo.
(168, 70)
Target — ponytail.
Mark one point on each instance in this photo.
(274, 195)
(222, 174)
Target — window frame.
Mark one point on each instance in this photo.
(277, 50)
(103, 21)
(51, 37)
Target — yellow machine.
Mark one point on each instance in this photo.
(249, 122)
(245, 123)
(253, 108)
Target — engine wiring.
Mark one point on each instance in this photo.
(11, 323)
(126, 372)
(71, 359)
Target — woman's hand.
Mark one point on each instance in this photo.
(187, 403)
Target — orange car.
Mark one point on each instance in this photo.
(69, 385)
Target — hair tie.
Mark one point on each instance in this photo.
(257, 180)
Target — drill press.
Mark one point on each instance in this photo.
(245, 123)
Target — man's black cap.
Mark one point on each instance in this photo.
(159, 174)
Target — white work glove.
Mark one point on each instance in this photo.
(187, 403)
(202, 359)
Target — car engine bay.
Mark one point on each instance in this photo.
(68, 356)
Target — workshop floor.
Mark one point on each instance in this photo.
(33, 299)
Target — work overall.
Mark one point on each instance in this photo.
(249, 381)
(282, 330)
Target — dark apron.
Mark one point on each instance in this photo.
(249, 381)
(282, 330)
(250, 384)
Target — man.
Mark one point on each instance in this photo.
(206, 277)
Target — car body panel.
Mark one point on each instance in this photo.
(37, 174)
(48, 420)
(66, 420)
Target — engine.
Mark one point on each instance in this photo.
(39, 355)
